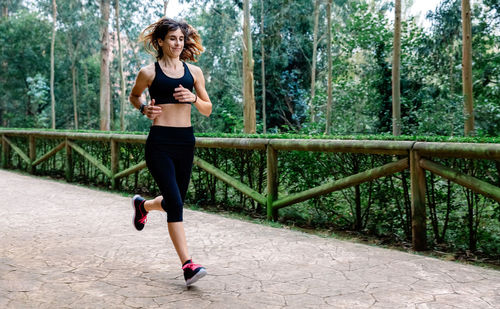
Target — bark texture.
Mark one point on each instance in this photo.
(467, 68)
(396, 59)
(329, 52)
(104, 97)
(249, 118)
(52, 73)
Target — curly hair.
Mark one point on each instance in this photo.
(160, 29)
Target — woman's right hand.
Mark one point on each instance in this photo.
(151, 111)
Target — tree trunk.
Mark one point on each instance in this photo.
(396, 91)
(75, 107)
(5, 16)
(452, 87)
(329, 52)
(470, 220)
(467, 68)
(313, 65)
(52, 45)
(358, 221)
(452, 65)
(263, 67)
(73, 53)
(104, 77)
(248, 63)
(447, 216)
(120, 66)
(358, 224)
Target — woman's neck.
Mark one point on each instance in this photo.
(171, 63)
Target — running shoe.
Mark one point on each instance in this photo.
(193, 272)
(140, 214)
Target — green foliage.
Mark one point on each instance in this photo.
(431, 97)
(457, 219)
(361, 75)
(25, 45)
(39, 92)
(221, 63)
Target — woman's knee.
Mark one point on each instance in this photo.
(174, 210)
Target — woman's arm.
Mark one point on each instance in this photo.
(201, 100)
(141, 83)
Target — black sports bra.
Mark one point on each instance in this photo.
(162, 88)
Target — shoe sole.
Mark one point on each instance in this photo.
(202, 273)
(133, 208)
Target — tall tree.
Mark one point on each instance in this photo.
(263, 66)
(467, 68)
(5, 9)
(73, 55)
(249, 117)
(9, 7)
(396, 59)
(77, 22)
(443, 53)
(313, 66)
(120, 66)
(26, 88)
(329, 52)
(5, 16)
(105, 100)
(74, 41)
(52, 46)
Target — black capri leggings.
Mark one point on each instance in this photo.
(169, 158)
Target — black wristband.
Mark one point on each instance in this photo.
(195, 98)
(141, 109)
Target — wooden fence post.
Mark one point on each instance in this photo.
(418, 218)
(32, 154)
(5, 152)
(115, 157)
(272, 182)
(69, 162)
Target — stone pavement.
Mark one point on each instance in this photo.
(66, 246)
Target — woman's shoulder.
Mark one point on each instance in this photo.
(195, 71)
(147, 72)
(148, 69)
(194, 68)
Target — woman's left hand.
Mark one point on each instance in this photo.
(182, 94)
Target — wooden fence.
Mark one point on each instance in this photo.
(415, 156)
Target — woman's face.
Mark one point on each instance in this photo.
(173, 44)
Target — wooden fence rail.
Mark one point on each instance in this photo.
(410, 155)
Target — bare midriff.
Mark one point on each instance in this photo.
(174, 115)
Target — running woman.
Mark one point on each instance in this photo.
(170, 144)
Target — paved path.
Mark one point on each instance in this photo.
(63, 245)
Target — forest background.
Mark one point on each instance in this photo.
(361, 32)
(291, 76)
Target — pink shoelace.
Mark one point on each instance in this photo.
(144, 219)
(191, 265)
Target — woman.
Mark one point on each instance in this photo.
(170, 143)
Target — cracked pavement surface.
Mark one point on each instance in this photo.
(67, 246)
